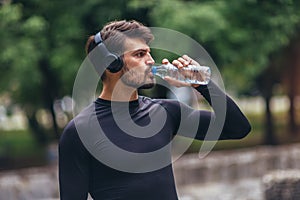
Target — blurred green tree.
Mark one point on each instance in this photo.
(245, 38)
(42, 46)
(43, 42)
(20, 55)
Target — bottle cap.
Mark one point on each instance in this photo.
(154, 70)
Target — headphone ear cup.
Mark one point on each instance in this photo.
(114, 63)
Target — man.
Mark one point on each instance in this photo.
(113, 148)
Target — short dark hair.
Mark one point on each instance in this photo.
(115, 33)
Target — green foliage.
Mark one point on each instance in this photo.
(42, 46)
(258, 29)
(20, 52)
(202, 21)
(241, 36)
(42, 42)
(18, 144)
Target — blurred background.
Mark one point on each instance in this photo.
(254, 43)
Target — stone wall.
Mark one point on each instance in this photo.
(29, 184)
(228, 166)
(282, 185)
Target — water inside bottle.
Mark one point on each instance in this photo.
(191, 74)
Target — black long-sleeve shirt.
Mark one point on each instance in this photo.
(119, 150)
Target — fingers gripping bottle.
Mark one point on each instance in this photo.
(190, 74)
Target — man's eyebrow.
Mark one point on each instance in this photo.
(141, 49)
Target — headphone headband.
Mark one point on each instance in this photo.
(98, 38)
(113, 62)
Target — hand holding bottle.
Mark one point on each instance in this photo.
(183, 72)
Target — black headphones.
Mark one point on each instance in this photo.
(113, 62)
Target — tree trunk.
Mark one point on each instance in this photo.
(266, 83)
(292, 115)
(37, 131)
(55, 126)
(293, 82)
(50, 85)
(270, 138)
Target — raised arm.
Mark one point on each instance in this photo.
(225, 122)
(226, 116)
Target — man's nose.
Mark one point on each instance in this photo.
(150, 60)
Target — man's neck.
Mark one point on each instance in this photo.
(119, 92)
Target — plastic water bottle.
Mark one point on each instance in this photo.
(190, 74)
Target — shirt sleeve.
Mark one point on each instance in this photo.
(226, 121)
(73, 166)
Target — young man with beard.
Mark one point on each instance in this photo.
(119, 147)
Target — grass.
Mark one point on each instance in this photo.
(18, 143)
(19, 149)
